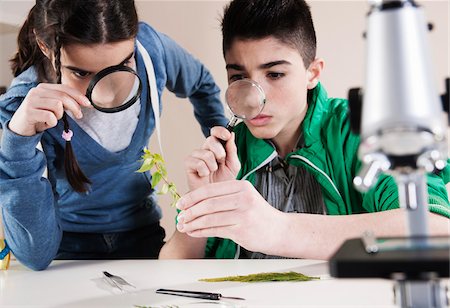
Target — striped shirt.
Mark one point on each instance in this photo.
(289, 189)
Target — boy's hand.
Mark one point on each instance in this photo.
(233, 210)
(44, 106)
(213, 163)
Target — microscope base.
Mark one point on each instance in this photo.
(352, 260)
(416, 270)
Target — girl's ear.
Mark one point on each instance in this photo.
(313, 72)
(46, 51)
(43, 47)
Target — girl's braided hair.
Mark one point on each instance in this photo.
(59, 23)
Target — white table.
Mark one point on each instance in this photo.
(80, 284)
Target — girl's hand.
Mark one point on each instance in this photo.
(213, 162)
(44, 106)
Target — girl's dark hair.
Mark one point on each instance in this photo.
(289, 21)
(59, 23)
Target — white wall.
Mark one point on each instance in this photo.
(8, 48)
(195, 25)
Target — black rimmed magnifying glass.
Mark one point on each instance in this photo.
(114, 89)
(245, 99)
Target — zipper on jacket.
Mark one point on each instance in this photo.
(305, 160)
(308, 162)
(265, 162)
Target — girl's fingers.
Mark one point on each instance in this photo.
(49, 104)
(45, 119)
(33, 114)
(76, 95)
(50, 97)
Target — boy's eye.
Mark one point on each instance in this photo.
(236, 77)
(275, 75)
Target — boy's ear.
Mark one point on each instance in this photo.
(313, 72)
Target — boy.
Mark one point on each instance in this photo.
(294, 163)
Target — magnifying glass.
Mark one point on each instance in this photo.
(245, 99)
(114, 89)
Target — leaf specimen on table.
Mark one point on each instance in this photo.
(264, 277)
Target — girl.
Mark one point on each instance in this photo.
(95, 206)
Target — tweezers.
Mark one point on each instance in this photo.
(196, 294)
(116, 281)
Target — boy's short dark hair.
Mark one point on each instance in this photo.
(289, 21)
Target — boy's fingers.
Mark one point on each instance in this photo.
(213, 145)
(208, 191)
(202, 159)
(221, 133)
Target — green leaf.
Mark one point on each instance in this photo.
(156, 178)
(264, 277)
(142, 169)
(164, 189)
(156, 162)
(147, 165)
(158, 158)
(174, 202)
(163, 172)
(173, 189)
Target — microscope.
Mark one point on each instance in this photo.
(403, 133)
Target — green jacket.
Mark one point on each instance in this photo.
(330, 155)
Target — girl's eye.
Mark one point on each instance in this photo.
(275, 76)
(81, 74)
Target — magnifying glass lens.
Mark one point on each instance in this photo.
(114, 90)
(245, 99)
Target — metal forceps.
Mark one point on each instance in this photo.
(196, 294)
(116, 281)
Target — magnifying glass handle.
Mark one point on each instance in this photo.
(230, 126)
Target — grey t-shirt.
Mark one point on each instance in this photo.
(113, 131)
